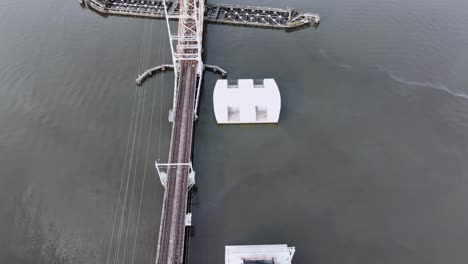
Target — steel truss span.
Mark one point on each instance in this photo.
(237, 15)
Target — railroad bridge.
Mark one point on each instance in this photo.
(178, 176)
(241, 15)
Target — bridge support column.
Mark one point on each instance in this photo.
(163, 179)
(164, 168)
(188, 219)
(191, 176)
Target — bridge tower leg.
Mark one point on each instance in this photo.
(186, 43)
(163, 171)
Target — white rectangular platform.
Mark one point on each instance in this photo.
(265, 254)
(246, 101)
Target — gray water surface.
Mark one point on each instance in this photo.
(367, 165)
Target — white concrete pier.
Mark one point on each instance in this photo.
(247, 101)
(260, 254)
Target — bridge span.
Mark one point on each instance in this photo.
(172, 228)
(186, 48)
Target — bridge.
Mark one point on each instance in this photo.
(172, 228)
(178, 176)
(239, 15)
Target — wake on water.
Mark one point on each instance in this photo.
(435, 86)
(399, 79)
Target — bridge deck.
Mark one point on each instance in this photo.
(172, 229)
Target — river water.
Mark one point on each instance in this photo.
(367, 165)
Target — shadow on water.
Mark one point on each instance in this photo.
(34, 242)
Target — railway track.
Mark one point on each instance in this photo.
(172, 229)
